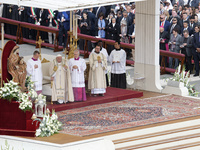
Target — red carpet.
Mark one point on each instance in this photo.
(112, 95)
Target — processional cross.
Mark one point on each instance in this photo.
(39, 42)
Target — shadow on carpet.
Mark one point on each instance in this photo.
(126, 114)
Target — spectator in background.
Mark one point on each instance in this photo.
(101, 26)
(186, 27)
(196, 52)
(174, 43)
(174, 25)
(85, 29)
(32, 18)
(92, 19)
(164, 22)
(124, 31)
(63, 18)
(186, 48)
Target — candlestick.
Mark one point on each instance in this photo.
(76, 26)
(70, 21)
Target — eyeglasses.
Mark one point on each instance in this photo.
(161, 18)
(174, 20)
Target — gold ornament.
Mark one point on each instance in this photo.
(55, 68)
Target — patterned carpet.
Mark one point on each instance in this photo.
(126, 114)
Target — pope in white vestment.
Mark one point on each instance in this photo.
(97, 79)
(77, 67)
(60, 75)
(34, 69)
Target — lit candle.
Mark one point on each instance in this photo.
(76, 26)
(70, 21)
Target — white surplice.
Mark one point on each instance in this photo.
(77, 75)
(118, 68)
(35, 73)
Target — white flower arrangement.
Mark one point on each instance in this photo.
(10, 91)
(184, 77)
(7, 146)
(41, 97)
(24, 103)
(29, 83)
(32, 94)
(49, 125)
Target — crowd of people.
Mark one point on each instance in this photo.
(114, 22)
(179, 31)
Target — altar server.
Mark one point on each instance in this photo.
(97, 79)
(60, 76)
(77, 67)
(34, 69)
(118, 67)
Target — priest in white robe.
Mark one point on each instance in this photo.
(97, 78)
(34, 70)
(60, 75)
(118, 67)
(103, 51)
(77, 67)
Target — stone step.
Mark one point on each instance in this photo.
(158, 137)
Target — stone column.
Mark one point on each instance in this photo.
(147, 44)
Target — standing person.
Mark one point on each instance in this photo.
(34, 70)
(186, 48)
(101, 26)
(77, 67)
(52, 23)
(63, 18)
(118, 67)
(103, 51)
(174, 43)
(97, 79)
(60, 76)
(196, 52)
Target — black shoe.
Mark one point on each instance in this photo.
(195, 75)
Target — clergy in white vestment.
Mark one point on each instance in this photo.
(118, 67)
(97, 78)
(60, 75)
(34, 70)
(103, 51)
(77, 67)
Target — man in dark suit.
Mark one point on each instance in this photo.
(100, 10)
(174, 25)
(131, 32)
(192, 24)
(186, 27)
(164, 22)
(130, 14)
(92, 18)
(164, 39)
(126, 18)
(32, 18)
(186, 48)
(63, 18)
(196, 52)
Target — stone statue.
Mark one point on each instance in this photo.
(17, 68)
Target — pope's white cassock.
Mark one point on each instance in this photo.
(35, 73)
(62, 87)
(77, 76)
(97, 79)
(118, 69)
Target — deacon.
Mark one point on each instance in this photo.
(60, 76)
(103, 51)
(97, 79)
(118, 67)
(34, 70)
(77, 67)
